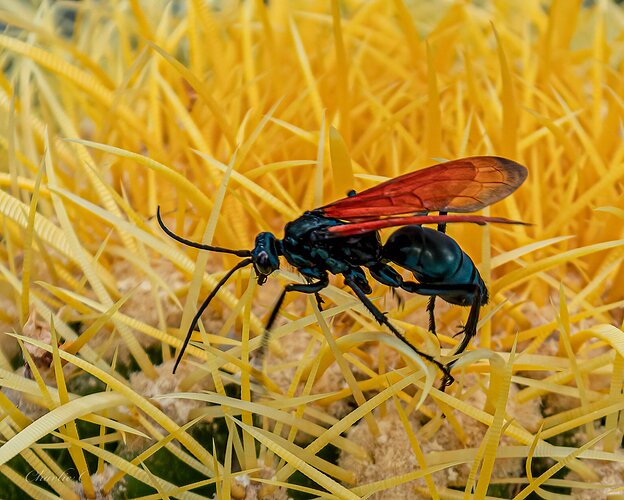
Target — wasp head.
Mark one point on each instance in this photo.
(265, 256)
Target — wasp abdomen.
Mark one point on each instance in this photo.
(434, 258)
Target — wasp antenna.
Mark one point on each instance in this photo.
(194, 244)
(202, 308)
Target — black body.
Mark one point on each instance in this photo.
(435, 259)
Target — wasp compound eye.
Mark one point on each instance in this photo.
(263, 259)
(263, 263)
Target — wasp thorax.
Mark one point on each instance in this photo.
(265, 254)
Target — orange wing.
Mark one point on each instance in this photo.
(464, 185)
(366, 226)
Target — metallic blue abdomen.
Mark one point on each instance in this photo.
(435, 258)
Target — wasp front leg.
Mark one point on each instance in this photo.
(291, 287)
(310, 274)
(295, 287)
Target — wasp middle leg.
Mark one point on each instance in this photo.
(382, 320)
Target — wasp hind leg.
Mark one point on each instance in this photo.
(431, 310)
(432, 299)
(442, 226)
(399, 300)
(382, 320)
(319, 300)
(470, 328)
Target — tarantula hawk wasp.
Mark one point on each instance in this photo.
(342, 238)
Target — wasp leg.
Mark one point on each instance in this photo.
(432, 299)
(398, 298)
(317, 296)
(382, 320)
(386, 275)
(357, 276)
(291, 287)
(319, 300)
(470, 329)
(310, 274)
(442, 227)
(430, 310)
(389, 277)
